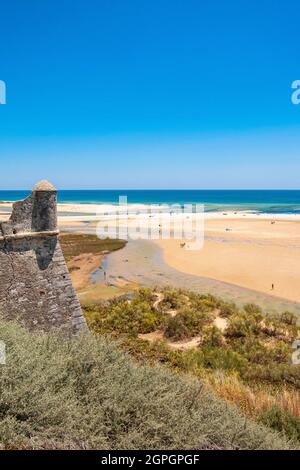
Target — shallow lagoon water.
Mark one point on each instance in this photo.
(142, 262)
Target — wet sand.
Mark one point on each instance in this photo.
(249, 253)
(143, 262)
(243, 255)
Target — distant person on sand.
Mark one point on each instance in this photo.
(272, 288)
(104, 275)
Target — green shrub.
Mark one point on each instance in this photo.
(146, 294)
(125, 316)
(174, 299)
(175, 329)
(280, 352)
(145, 351)
(186, 324)
(212, 337)
(281, 328)
(252, 349)
(282, 421)
(204, 302)
(252, 309)
(280, 374)
(191, 361)
(223, 358)
(85, 393)
(288, 318)
(132, 317)
(243, 324)
(227, 309)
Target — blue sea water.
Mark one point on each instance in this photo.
(267, 201)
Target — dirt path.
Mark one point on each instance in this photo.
(183, 345)
(142, 262)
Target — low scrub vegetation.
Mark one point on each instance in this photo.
(74, 244)
(251, 348)
(86, 393)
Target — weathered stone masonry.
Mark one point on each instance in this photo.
(35, 284)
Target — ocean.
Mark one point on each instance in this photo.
(260, 201)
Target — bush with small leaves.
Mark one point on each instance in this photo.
(252, 309)
(175, 329)
(243, 325)
(146, 294)
(282, 421)
(190, 321)
(227, 309)
(223, 358)
(86, 393)
(212, 337)
(288, 318)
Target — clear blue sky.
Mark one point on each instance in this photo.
(150, 94)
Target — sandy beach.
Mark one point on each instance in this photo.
(253, 252)
(246, 249)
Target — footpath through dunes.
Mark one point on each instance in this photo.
(141, 261)
(86, 393)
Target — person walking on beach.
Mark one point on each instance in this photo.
(272, 288)
(104, 275)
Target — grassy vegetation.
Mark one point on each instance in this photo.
(74, 244)
(93, 293)
(83, 253)
(249, 357)
(86, 393)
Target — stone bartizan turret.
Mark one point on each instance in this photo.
(35, 284)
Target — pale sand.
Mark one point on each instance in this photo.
(183, 345)
(76, 212)
(253, 254)
(81, 267)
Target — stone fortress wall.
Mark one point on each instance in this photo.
(35, 284)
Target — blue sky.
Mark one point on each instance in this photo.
(150, 94)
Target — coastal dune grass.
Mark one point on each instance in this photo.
(86, 393)
(243, 354)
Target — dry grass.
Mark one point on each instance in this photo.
(254, 401)
(85, 393)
